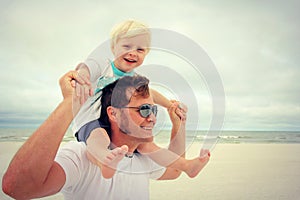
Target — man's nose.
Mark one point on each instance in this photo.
(151, 118)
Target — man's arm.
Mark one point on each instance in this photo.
(177, 139)
(177, 144)
(33, 172)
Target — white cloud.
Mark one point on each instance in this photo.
(255, 47)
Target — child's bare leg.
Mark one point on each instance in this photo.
(195, 165)
(168, 158)
(98, 152)
(111, 161)
(190, 167)
(163, 157)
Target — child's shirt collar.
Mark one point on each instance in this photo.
(120, 73)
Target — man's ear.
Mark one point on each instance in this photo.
(111, 112)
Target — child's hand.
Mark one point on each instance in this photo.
(83, 90)
(67, 84)
(181, 109)
(174, 117)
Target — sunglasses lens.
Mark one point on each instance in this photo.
(145, 110)
(154, 110)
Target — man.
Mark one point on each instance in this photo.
(38, 170)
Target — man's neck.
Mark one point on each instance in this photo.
(118, 138)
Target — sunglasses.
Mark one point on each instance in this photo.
(146, 110)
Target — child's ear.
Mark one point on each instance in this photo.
(112, 48)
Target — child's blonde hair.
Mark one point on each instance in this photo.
(127, 29)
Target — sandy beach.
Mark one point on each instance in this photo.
(235, 171)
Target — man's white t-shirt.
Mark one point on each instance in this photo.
(84, 179)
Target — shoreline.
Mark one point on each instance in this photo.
(235, 171)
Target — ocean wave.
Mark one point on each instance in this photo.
(17, 134)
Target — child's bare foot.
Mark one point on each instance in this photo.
(111, 161)
(195, 165)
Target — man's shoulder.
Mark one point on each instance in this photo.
(73, 153)
(73, 143)
(73, 147)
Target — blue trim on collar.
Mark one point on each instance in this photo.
(120, 73)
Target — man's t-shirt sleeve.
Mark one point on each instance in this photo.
(68, 158)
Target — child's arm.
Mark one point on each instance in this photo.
(164, 102)
(83, 90)
(160, 99)
(98, 152)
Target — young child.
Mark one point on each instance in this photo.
(130, 42)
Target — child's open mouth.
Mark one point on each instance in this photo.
(129, 60)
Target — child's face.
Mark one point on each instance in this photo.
(130, 52)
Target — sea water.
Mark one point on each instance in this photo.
(163, 136)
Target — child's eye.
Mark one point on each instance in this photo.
(141, 50)
(126, 46)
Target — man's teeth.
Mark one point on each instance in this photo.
(147, 128)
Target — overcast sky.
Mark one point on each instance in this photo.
(254, 46)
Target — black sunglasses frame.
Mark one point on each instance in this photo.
(145, 107)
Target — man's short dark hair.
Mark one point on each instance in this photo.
(116, 94)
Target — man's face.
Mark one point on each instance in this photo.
(130, 52)
(132, 123)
